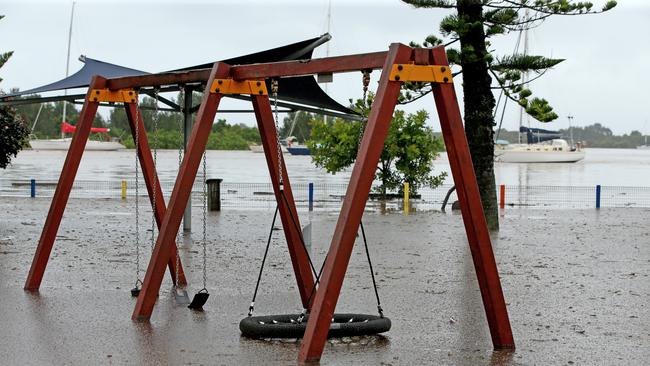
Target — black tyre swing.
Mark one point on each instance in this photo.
(294, 325)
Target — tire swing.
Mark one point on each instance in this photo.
(294, 325)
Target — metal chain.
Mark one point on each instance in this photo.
(180, 161)
(366, 81)
(137, 195)
(205, 209)
(274, 93)
(155, 169)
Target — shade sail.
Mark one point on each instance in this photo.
(301, 90)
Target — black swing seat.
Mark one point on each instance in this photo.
(287, 326)
(199, 300)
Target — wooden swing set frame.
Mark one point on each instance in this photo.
(399, 64)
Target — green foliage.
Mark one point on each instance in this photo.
(13, 135)
(13, 131)
(408, 152)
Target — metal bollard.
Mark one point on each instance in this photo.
(311, 196)
(32, 184)
(502, 196)
(406, 198)
(598, 196)
(123, 189)
(214, 194)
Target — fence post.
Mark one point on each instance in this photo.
(123, 189)
(406, 198)
(32, 184)
(214, 194)
(598, 196)
(311, 196)
(502, 196)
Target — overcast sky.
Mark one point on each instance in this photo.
(604, 79)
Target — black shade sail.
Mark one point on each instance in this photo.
(302, 90)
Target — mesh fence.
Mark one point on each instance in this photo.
(327, 196)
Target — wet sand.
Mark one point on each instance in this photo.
(576, 282)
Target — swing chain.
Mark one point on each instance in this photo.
(180, 160)
(137, 203)
(274, 92)
(155, 168)
(365, 81)
(205, 208)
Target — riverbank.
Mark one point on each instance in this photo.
(576, 282)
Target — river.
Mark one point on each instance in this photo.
(609, 167)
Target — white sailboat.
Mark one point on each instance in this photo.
(550, 148)
(63, 143)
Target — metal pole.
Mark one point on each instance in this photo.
(67, 67)
(187, 124)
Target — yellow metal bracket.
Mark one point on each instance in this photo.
(114, 96)
(230, 86)
(427, 73)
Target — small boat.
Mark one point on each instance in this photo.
(554, 151)
(256, 148)
(294, 148)
(110, 143)
(64, 144)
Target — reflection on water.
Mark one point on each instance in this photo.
(616, 167)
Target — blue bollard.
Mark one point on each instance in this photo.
(311, 196)
(33, 188)
(598, 196)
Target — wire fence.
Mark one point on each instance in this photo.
(328, 196)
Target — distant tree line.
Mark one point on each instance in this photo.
(595, 135)
(169, 124)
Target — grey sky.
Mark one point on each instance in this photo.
(604, 79)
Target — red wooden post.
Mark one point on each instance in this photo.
(62, 192)
(354, 204)
(292, 231)
(469, 197)
(150, 176)
(180, 195)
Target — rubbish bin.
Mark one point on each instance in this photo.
(214, 194)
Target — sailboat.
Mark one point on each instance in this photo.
(543, 146)
(63, 143)
(645, 145)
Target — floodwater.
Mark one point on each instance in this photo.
(608, 167)
(578, 297)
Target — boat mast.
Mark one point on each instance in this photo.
(67, 67)
(524, 77)
(327, 45)
(570, 117)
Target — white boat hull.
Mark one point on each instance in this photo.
(64, 144)
(519, 156)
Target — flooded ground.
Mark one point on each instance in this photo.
(577, 284)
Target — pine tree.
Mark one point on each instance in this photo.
(471, 24)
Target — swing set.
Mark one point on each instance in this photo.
(319, 291)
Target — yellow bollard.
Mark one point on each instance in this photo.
(123, 189)
(406, 198)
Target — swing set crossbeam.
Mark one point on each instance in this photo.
(427, 65)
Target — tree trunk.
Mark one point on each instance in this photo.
(479, 104)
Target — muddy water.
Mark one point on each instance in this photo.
(576, 283)
(615, 167)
